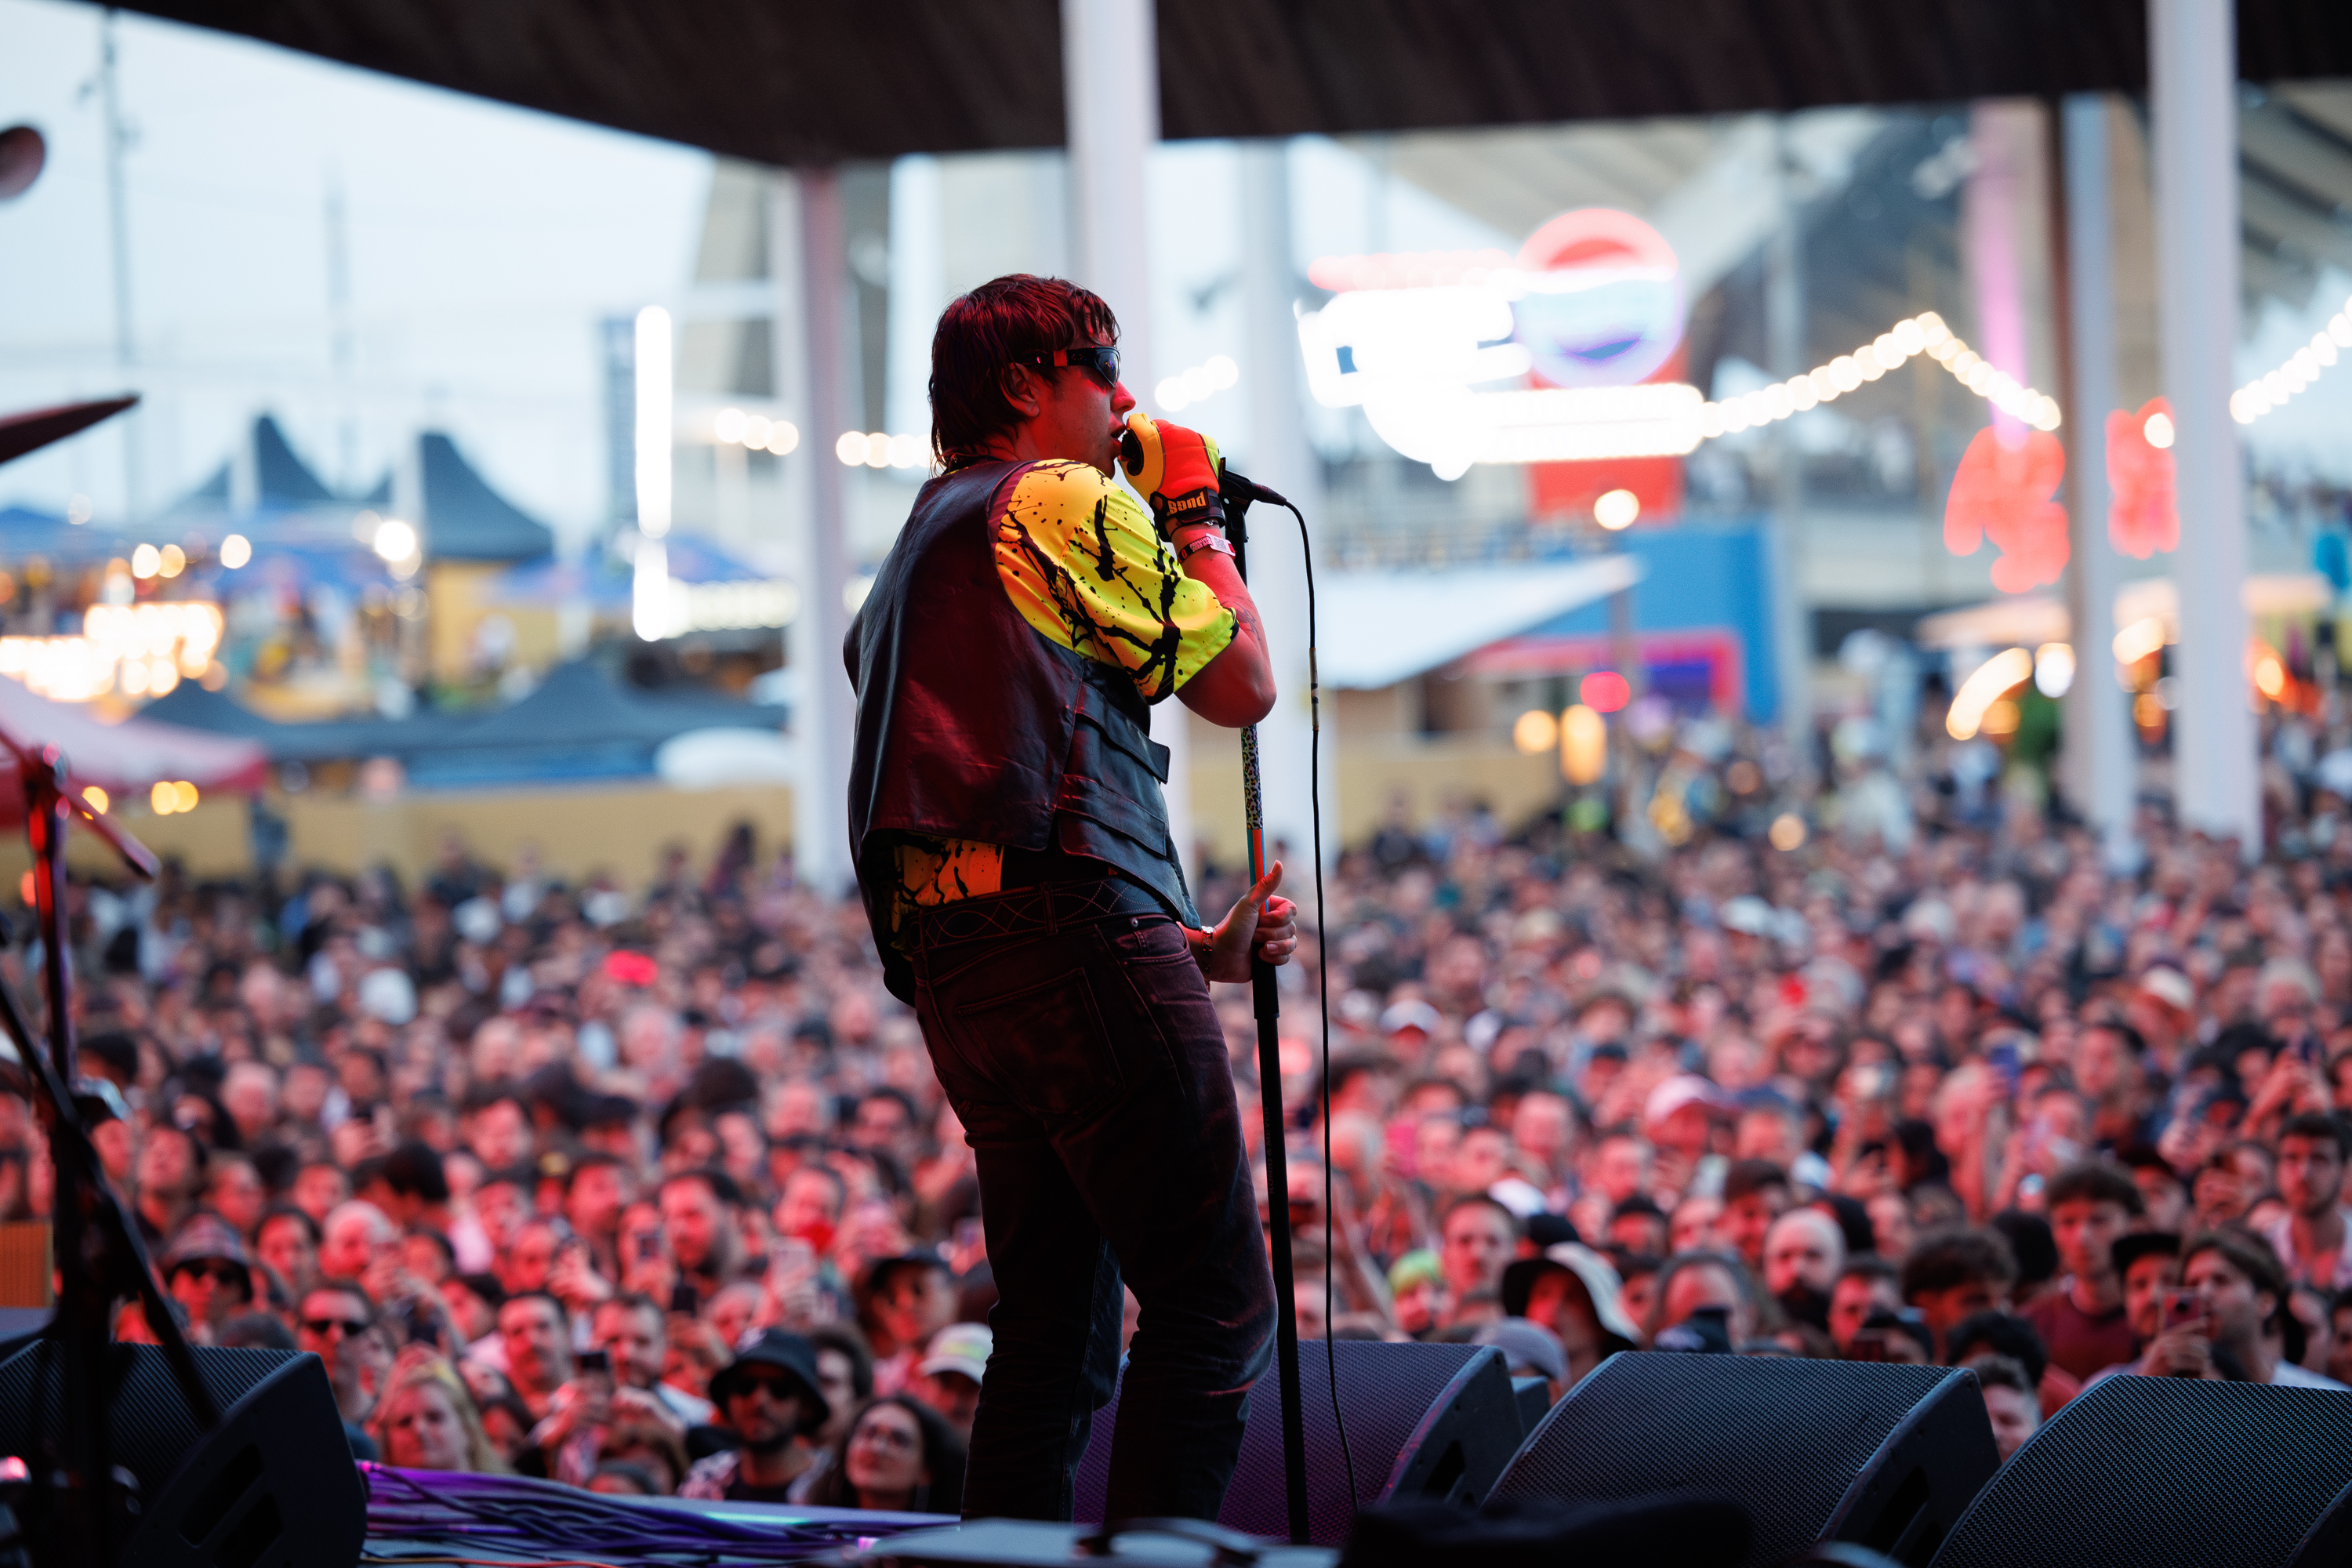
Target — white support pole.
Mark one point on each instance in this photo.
(1110, 90)
(2099, 755)
(1784, 337)
(821, 728)
(1277, 455)
(2193, 104)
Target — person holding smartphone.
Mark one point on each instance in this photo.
(2221, 1322)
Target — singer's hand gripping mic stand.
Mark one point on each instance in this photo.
(1238, 494)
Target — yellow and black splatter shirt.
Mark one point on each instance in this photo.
(1079, 558)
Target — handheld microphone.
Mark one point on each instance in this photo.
(1238, 487)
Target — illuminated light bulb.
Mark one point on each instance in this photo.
(97, 798)
(1777, 403)
(784, 438)
(1824, 385)
(2241, 406)
(906, 451)
(1170, 395)
(2339, 329)
(2158, 429)
(1222, 372)
(162, 799)
(1536, 732)
(851, 447)
(1888, 353)
(1844, 372)
(145, 561)
(1616, 510)
(878, 450)
(2323, 349)
(1710, 421)
(2054, 669)
(1197, 384)
(729, 426)
(1583, 746)
(1605, 692)
(236, 550)
(1801, 394)
(161, 675)
(1908, 337)
(1787, 832)
(171, 561)
(756, 428)
(1998, 675)
(394, 540)
(183, 795)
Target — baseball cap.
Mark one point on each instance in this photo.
(205, 1238)
(1683, 1088)
(959, 1347)
(1411, 1013)
(2171, 987)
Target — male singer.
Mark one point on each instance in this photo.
(1012, 844)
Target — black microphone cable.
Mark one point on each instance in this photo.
(1322, 969)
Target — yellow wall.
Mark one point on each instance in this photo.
(578, 831)
(1369, 772)
(455, 590)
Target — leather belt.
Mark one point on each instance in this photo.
(1028, 911)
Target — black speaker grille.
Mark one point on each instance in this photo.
(1384, 1391)
(2140, 1470)
(149, 1428)
(1787, 1438)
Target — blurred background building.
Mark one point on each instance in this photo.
(1614, 437)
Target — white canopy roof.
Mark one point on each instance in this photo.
(1381, 628)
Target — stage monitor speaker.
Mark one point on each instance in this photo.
(273, 1486)
(1877, 1455)
(2139, 1470)
(1425, 1422)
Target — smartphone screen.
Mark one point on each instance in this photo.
(1867, 1345)
(2180, 1307)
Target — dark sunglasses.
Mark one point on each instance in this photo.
(776, 1388)
(223, 1273)
(347, 1327)
(1100, 361)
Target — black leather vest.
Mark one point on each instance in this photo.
(970, 724)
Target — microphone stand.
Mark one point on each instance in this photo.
(1268, 1006)
(97, 1248)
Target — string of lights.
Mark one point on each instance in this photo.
(1924, 333)
(2271, 389)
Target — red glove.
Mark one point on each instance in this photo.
(1175, 469)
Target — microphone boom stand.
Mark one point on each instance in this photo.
(97, 1248)
(1268, 1006)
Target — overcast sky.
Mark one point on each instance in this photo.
(485, 244)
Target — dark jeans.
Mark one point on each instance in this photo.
(1091, 1075)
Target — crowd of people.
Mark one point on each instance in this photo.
(658, 1193)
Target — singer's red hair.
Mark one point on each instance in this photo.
(980, 333)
